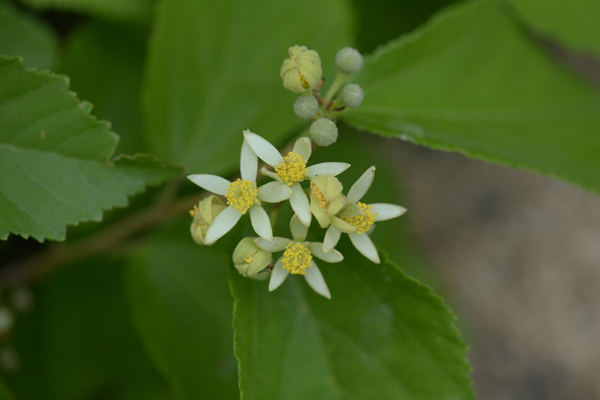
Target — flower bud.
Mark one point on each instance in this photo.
(349, 60)
(249, 259)
(306, 106)
(326, 198)
(323, 132)
(353, 95)
(204, 214)
(302, 71)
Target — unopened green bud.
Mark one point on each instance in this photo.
(349, 60)
(323, 132)
(353, 95)
(204, 214)
(326, 198)
(249, 259)
(306, 106)
(302, 70)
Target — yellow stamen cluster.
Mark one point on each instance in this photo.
(194, 210)
(362, 222)
(241, 195)
(297, 258)
(249, 259)
(293, 169)
(319, 195)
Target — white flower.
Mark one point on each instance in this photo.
(242, 195)
(363, 222)
(291, 169)
(298, 258)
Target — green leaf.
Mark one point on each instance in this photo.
(77, 342)
(571, 23)
(55, 158)
(128, 10)
(105, 62)
(182, 308)
(382, 336)
(25, 36)
(472, 81)
(214, 71)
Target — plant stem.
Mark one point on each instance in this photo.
(335, 86)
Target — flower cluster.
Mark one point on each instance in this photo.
(322, 197)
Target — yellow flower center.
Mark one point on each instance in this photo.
(293, 169)
(297, 258)
(249, 259)
(362, 222)
(194, 210)
(241, 195)
(319, 195)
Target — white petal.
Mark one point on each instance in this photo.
(248, 163)
(332, 237)
(366, 247)
(278, 275)
(276, 244)
(332, 256)
(333, 168)
(263, 149)
(360, 187)
(387, 211)
(299, 203)
(316, 281)
(222, 224)
(303, 147)
(274, 192)
(213, 183)
(299, 230)
(270, 174)
(261, 222)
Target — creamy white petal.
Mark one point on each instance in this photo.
(299, 203)
(213, 183)
(274, 192)
(360, 187)
(342, 225)
(248, 163)
(333, 256)
(315, 280)
(303, 147)
(276, 244)
(222, 224)
(270, 174)
(261, 222)
(263, 149)
(387, 211)
(299, 230)
(364, 244)
(333, 168)
(278, 275)
(332, 237)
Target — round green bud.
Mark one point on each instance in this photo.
(353, 95)
(349, 60)
(306, 106)
(323, 132)
(249, 259)
(302, 71)
(204, 214)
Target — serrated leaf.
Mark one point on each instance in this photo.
(129, 10)
(77, 342)
(382, 336)
(105, 62)
(570, 23)
(472, 81)
(25, 36)
(214, 68)
(182, 308)
(55, 158)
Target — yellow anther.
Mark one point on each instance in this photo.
(293, 169)
(362, 222)
(297, 258)
(304, 82)
(249, 259)
(194, 211)
(241, 195)
(319, 195)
